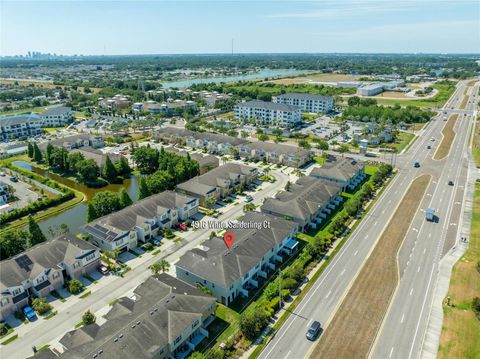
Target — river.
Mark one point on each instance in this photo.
(76, 216)
(251, 76)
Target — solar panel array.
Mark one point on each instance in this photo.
(101, 232)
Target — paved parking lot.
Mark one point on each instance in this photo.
(22, 192)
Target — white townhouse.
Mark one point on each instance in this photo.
(307, 102)
(57, 116)
(269, 113)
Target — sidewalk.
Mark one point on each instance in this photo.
(431, 340)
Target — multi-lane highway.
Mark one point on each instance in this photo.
(328, 292)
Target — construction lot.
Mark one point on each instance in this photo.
(352, 330)
(448, 137)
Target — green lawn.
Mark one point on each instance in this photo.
(402, 141)
(444, 93)
(319, 160)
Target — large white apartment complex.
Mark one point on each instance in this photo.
(269, 113)
(307, 102)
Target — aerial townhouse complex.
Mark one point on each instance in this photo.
(275, 153)
(43, 268)
(214, 143)
(164, 318)
(347, 172)
(269, 113)
(75, 141)
(29, 125)
(230, 273)
(218, 183)
(307, 202)
(124, 229)
(307, 102)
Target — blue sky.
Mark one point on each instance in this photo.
(165, 27)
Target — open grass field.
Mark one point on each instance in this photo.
(349, 335)
(402, 141)
(448, 137)
(476, 143)
(38, 83)
(317, 78)
(460, 336)
(444, 93)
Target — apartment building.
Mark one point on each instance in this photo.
(57, 116)
(164, 318)
(232, 272)
(42, 269)
(269, 113)
(307, 202)
(218, 183)
(275, 153)
(347, 172)
(141, 221)
(307, 102)
(20, 126)
(169, 108)
(116, 102)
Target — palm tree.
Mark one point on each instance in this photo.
(160, 266)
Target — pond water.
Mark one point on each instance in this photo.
(251, 76)
(76, 216)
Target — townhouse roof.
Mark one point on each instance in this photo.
(28, 264)
(180, 132)
(303, 199)
(269, 106)
(110, 226)
(305, 96)
(98, 156)
(202, 159)
(57, 111)
(18, 119)
(220, 265)
(161, 309)
(217, 177)
(338, 169)
(278, 148)
(63, 141)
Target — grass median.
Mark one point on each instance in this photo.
(448, 137)
(460, 336)
(349, 335)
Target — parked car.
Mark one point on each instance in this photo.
(182, 226)
(14, 179)
(29, 313)
(156, 241)
(429, 147)
(2, 174)
(104, 270)
(450, 183)
(248, 198)
(314, 330)
(416, 165)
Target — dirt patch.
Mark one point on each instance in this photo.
(448, 137)
(460, 336)
(393, 94)
(317, 78)
(354, 326)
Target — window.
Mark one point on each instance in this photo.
(90, 257)
(177, 340)
(195, 324)
(4, 302)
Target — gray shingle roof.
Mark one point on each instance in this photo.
(224, 266)
(73, 139)
(339, 169)
(278, 148)
(49, 254)
(138, 328)
(57, 111)
(269, 106)
(303, 199)
(98, 156)
(18, 119)
(137, 213)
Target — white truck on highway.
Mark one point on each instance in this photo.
(430, 214)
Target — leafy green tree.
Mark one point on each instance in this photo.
(105, 202)
(37, 154)
(87, 169)
(74, 286)
(125, 199)
(73, 159)
(91, 213)
(143, 191)
(30, 150)
(41, 306)
(197, 355)
(109, 172)
(36, 234)
(123, 169)
(88, 318)
(49, 151)
(342, 149)
(160, 181)
(146, 159)
(304, 144)
(12, 242)
(263, 137)
(253, 321)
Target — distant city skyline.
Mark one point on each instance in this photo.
(189, 27)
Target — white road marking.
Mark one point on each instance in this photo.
(354, 254)
(375, 223)
(403, 317)
(391, 352)
(343, 272)
(328, 294)
(411, 291)
(429, 235)
(424, 250)
(418, 270)
(414, 229)
(286, 356)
